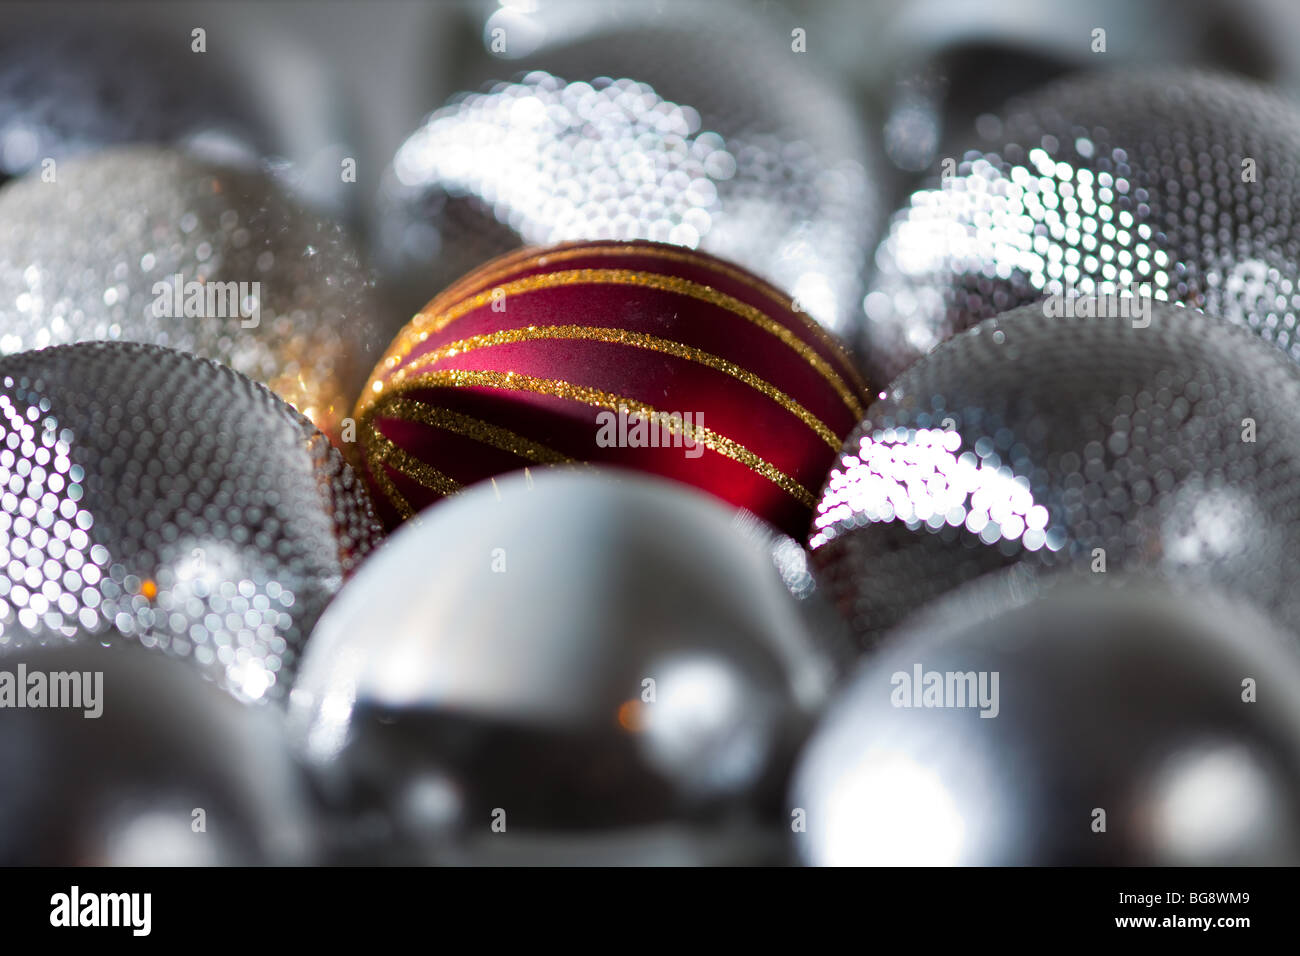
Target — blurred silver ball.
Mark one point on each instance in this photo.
(95, 255)
(169, 772)
(169, 501)
(1176, 182)
(934, 65)
(700, 127)
(1097, 443)
(603, 663)
(1118, 732)
(68, 88)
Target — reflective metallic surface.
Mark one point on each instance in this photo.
(173, 502)
(1118, 732)
(95, 255)
(171, 772)
(1175, 182)
(630, 123)
(1070, 442)
(602, 657)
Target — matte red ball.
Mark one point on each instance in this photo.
(637, 354)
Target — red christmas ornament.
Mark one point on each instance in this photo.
(638, 354)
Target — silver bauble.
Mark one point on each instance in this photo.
(1087, 720)
(148, 245)
(73, 85)
(932, 66)
(150, 766)
(1177, 183)
(699, 126)
(1167, 441)
(564, 667)
(171, 501)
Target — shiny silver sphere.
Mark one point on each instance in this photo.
(1087, 720)
(147, 765)
(564, 667)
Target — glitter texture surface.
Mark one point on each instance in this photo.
(1090, 443)
(1176, 182)
(95, 256)
(171, 500)
(648, 130)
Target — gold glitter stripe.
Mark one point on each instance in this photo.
(475, 428)
(464, 378)
(380, 452)
(425, 324)
(526, 258)
(565, 253)
(530, 257)
(377, 471)
(589, 333)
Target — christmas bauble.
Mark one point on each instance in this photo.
(172, 501)
(577, 666)
(116, 757)
(1175, 183)
(145, 244)
(935, 65)
(708, 127)
(71, 88)
(639, 354)
(1164, 439)
(1092, 721)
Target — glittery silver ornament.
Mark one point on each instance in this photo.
(696, 126)
(1176, 183)
(148, 245)
(1079, 721)
(1167, 440)
(586, 666)
(71, 88)
(132, 760)
(171, 500)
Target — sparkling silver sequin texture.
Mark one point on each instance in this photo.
(1178, 183)
(174, 501)
(95, 255)
(649, 130)
(1101, 443)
